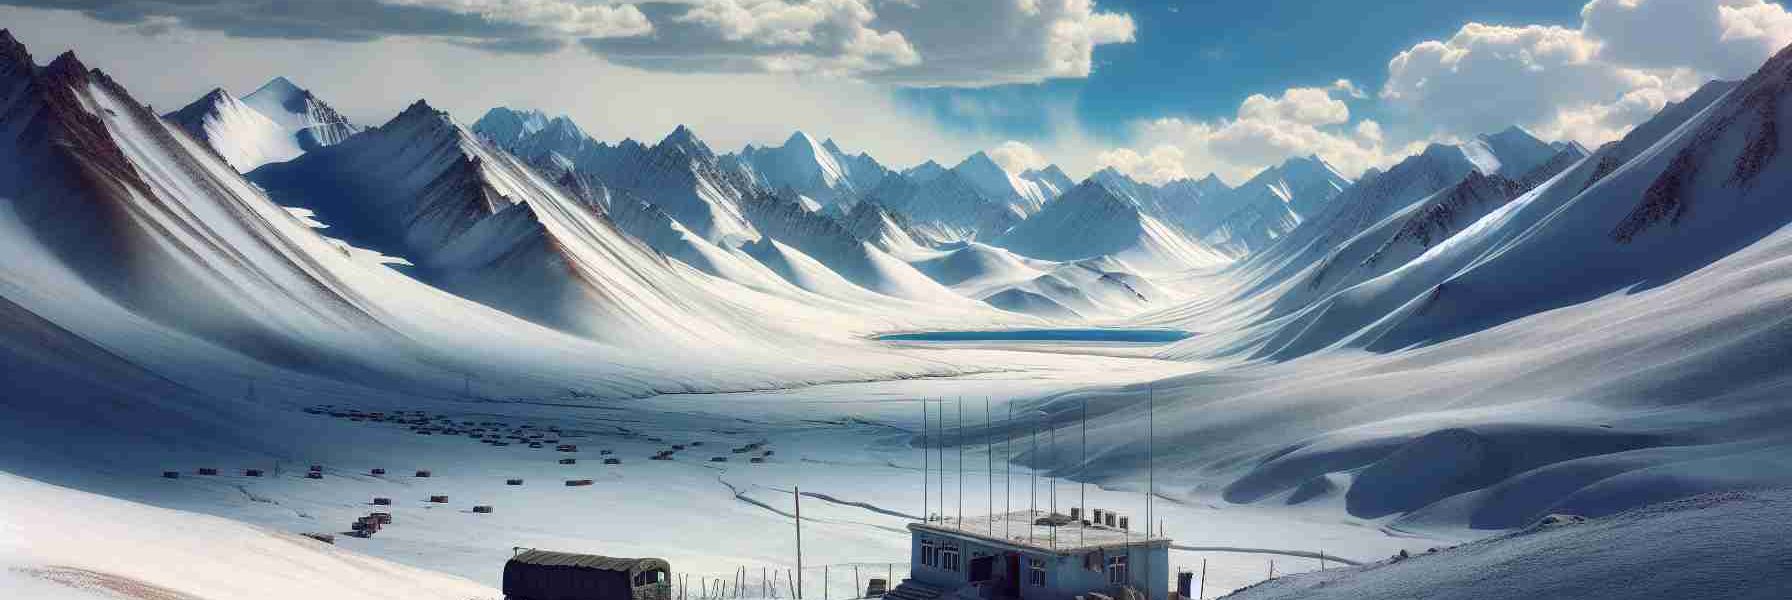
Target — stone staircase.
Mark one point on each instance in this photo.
(914, 590)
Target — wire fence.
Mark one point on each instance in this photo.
(844, 581)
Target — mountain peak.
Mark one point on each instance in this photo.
(418, 110)
(66, 64)
(13, 52)
(833, 147)
(685, 140)
(800, 139)
(564, 125)
(1108, 172)
(980, 161)
(280, 84)
(1513, 131)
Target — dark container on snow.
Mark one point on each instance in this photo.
(543, 575)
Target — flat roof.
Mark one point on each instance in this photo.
(1010, 529)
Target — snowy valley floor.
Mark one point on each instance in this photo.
(846, 445)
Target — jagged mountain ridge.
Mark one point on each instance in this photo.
(1102, 219)
(275, 123)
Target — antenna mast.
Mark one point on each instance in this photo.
(1051, 479)
(1008, 475)
(926, 466)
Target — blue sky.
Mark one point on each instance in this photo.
(1199, 59)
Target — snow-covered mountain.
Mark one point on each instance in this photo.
(944, 206)
(830, 243)
(1272, 203)
(1511, 152)
(680, 175)
(276, 123)
(817, 170)
(506, 126)
(1019, 195)
(312, 121)
(871, 222)
(1051, 180)
(242, 136)
(1609, 338)
(1097, 219)
(924, 172)
(477, 222)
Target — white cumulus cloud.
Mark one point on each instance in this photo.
(1590, 84)
(1265, 130)
(1015, 156)
(564, 17)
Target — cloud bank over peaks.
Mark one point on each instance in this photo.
(1627, 60)
(896, 42)
(1264, 131)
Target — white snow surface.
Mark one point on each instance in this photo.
(63, 544)
(1728, 545)
(243, 136)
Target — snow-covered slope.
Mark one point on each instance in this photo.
(242, 136)
(1095, 220)
(312, 121)
(1588, 347)
(278, 122)
(1728, 546)
(828, 241)
(1272, 203)
(871, 222)
(63, 544)
(943, 206)
(974, 268)
(506, 126)
(1512, 152)
(1021, 196)
(1051, 181)
(818, 170)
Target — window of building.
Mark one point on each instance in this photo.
(1035, 572)
(1117, 570)
(949, 558)
(930, 553)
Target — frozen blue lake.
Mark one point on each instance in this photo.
(1135, 336)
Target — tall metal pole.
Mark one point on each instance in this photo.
(1008, 475)
(1082, 486)
(797, 493)
(1150, 474)
(926, 466)
(959, 440)
(1033, 489)
(989, 464)
(1052, 480)
(1203, 593)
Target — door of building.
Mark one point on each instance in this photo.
(1009, 586)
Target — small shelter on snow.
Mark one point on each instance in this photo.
(545, 575)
